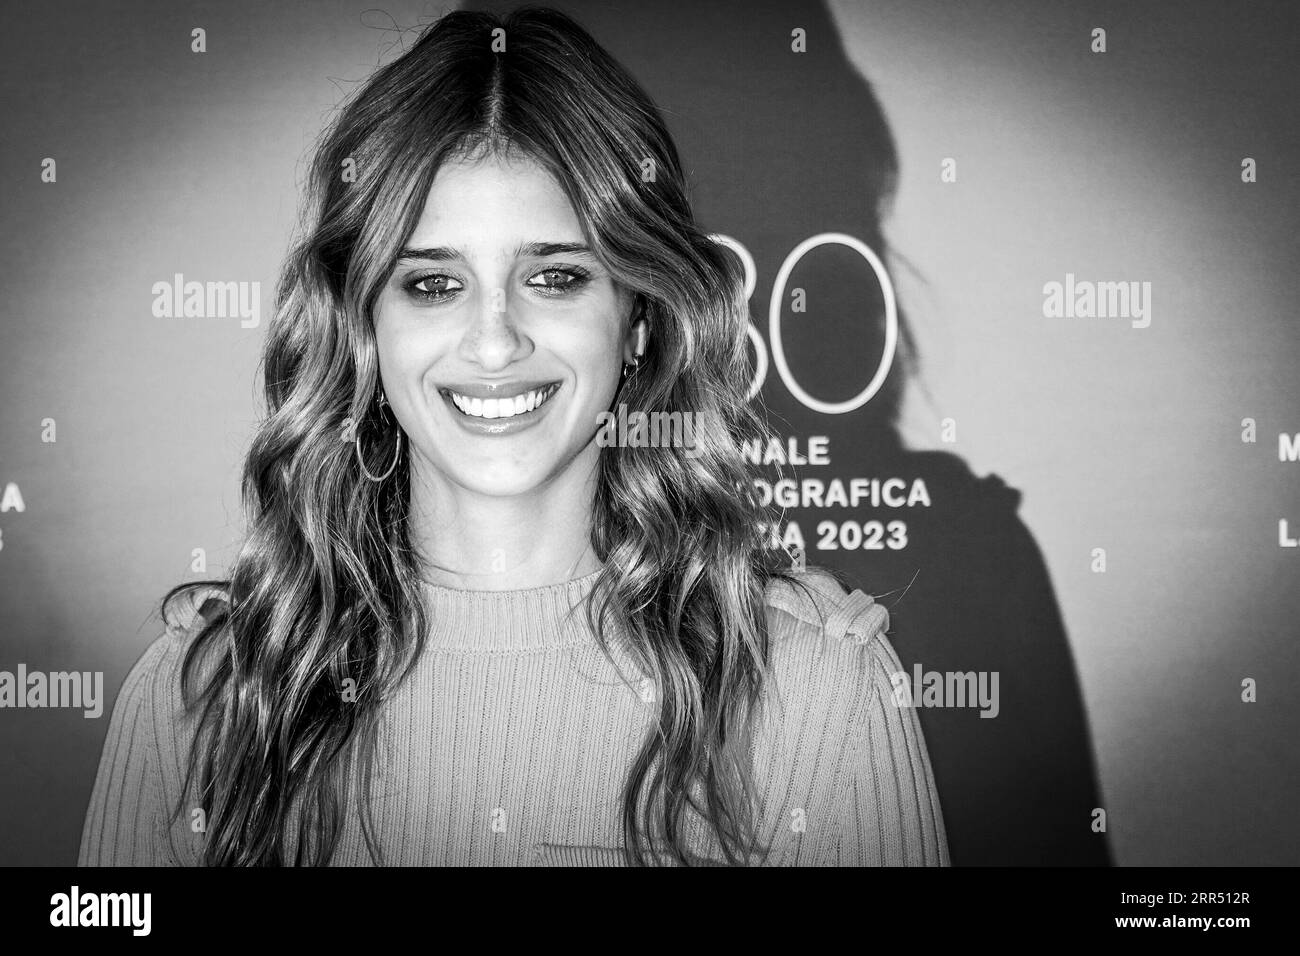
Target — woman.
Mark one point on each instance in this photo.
(466, 628)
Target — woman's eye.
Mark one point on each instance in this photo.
(434, 287)
(439, 287)
(557, 281)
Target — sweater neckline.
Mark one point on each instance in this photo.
(523, 619)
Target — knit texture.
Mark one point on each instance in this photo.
(511, 741)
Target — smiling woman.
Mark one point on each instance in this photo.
(500, 321)
(469, 632)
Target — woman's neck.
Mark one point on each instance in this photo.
(496, 543)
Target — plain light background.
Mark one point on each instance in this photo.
(1119, 438)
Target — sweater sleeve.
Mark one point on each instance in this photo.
(126, 822)
(893, 817)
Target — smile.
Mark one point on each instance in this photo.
(507, 406)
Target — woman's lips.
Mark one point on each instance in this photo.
(500, 410)
(502, 406)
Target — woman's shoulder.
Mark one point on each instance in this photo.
(142, 765)
(835, 749)
(185, 611)
(829, 653)
(814, 605)
(153, 684)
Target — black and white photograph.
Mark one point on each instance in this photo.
(837, 434)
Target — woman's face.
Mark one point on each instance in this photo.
(500, 337)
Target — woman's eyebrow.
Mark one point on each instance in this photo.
(537, 249)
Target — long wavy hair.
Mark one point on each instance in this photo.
(327, 586)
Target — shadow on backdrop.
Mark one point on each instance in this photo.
(781, 146)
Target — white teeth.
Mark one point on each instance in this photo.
(503, 407)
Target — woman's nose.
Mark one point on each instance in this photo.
(493, 339)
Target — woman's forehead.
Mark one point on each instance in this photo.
(495, 205)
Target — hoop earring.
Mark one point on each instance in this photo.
(633, 365)
(361, 461)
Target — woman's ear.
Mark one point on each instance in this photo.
(637, 337)
(636, 340)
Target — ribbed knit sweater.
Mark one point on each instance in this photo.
(512, 739)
